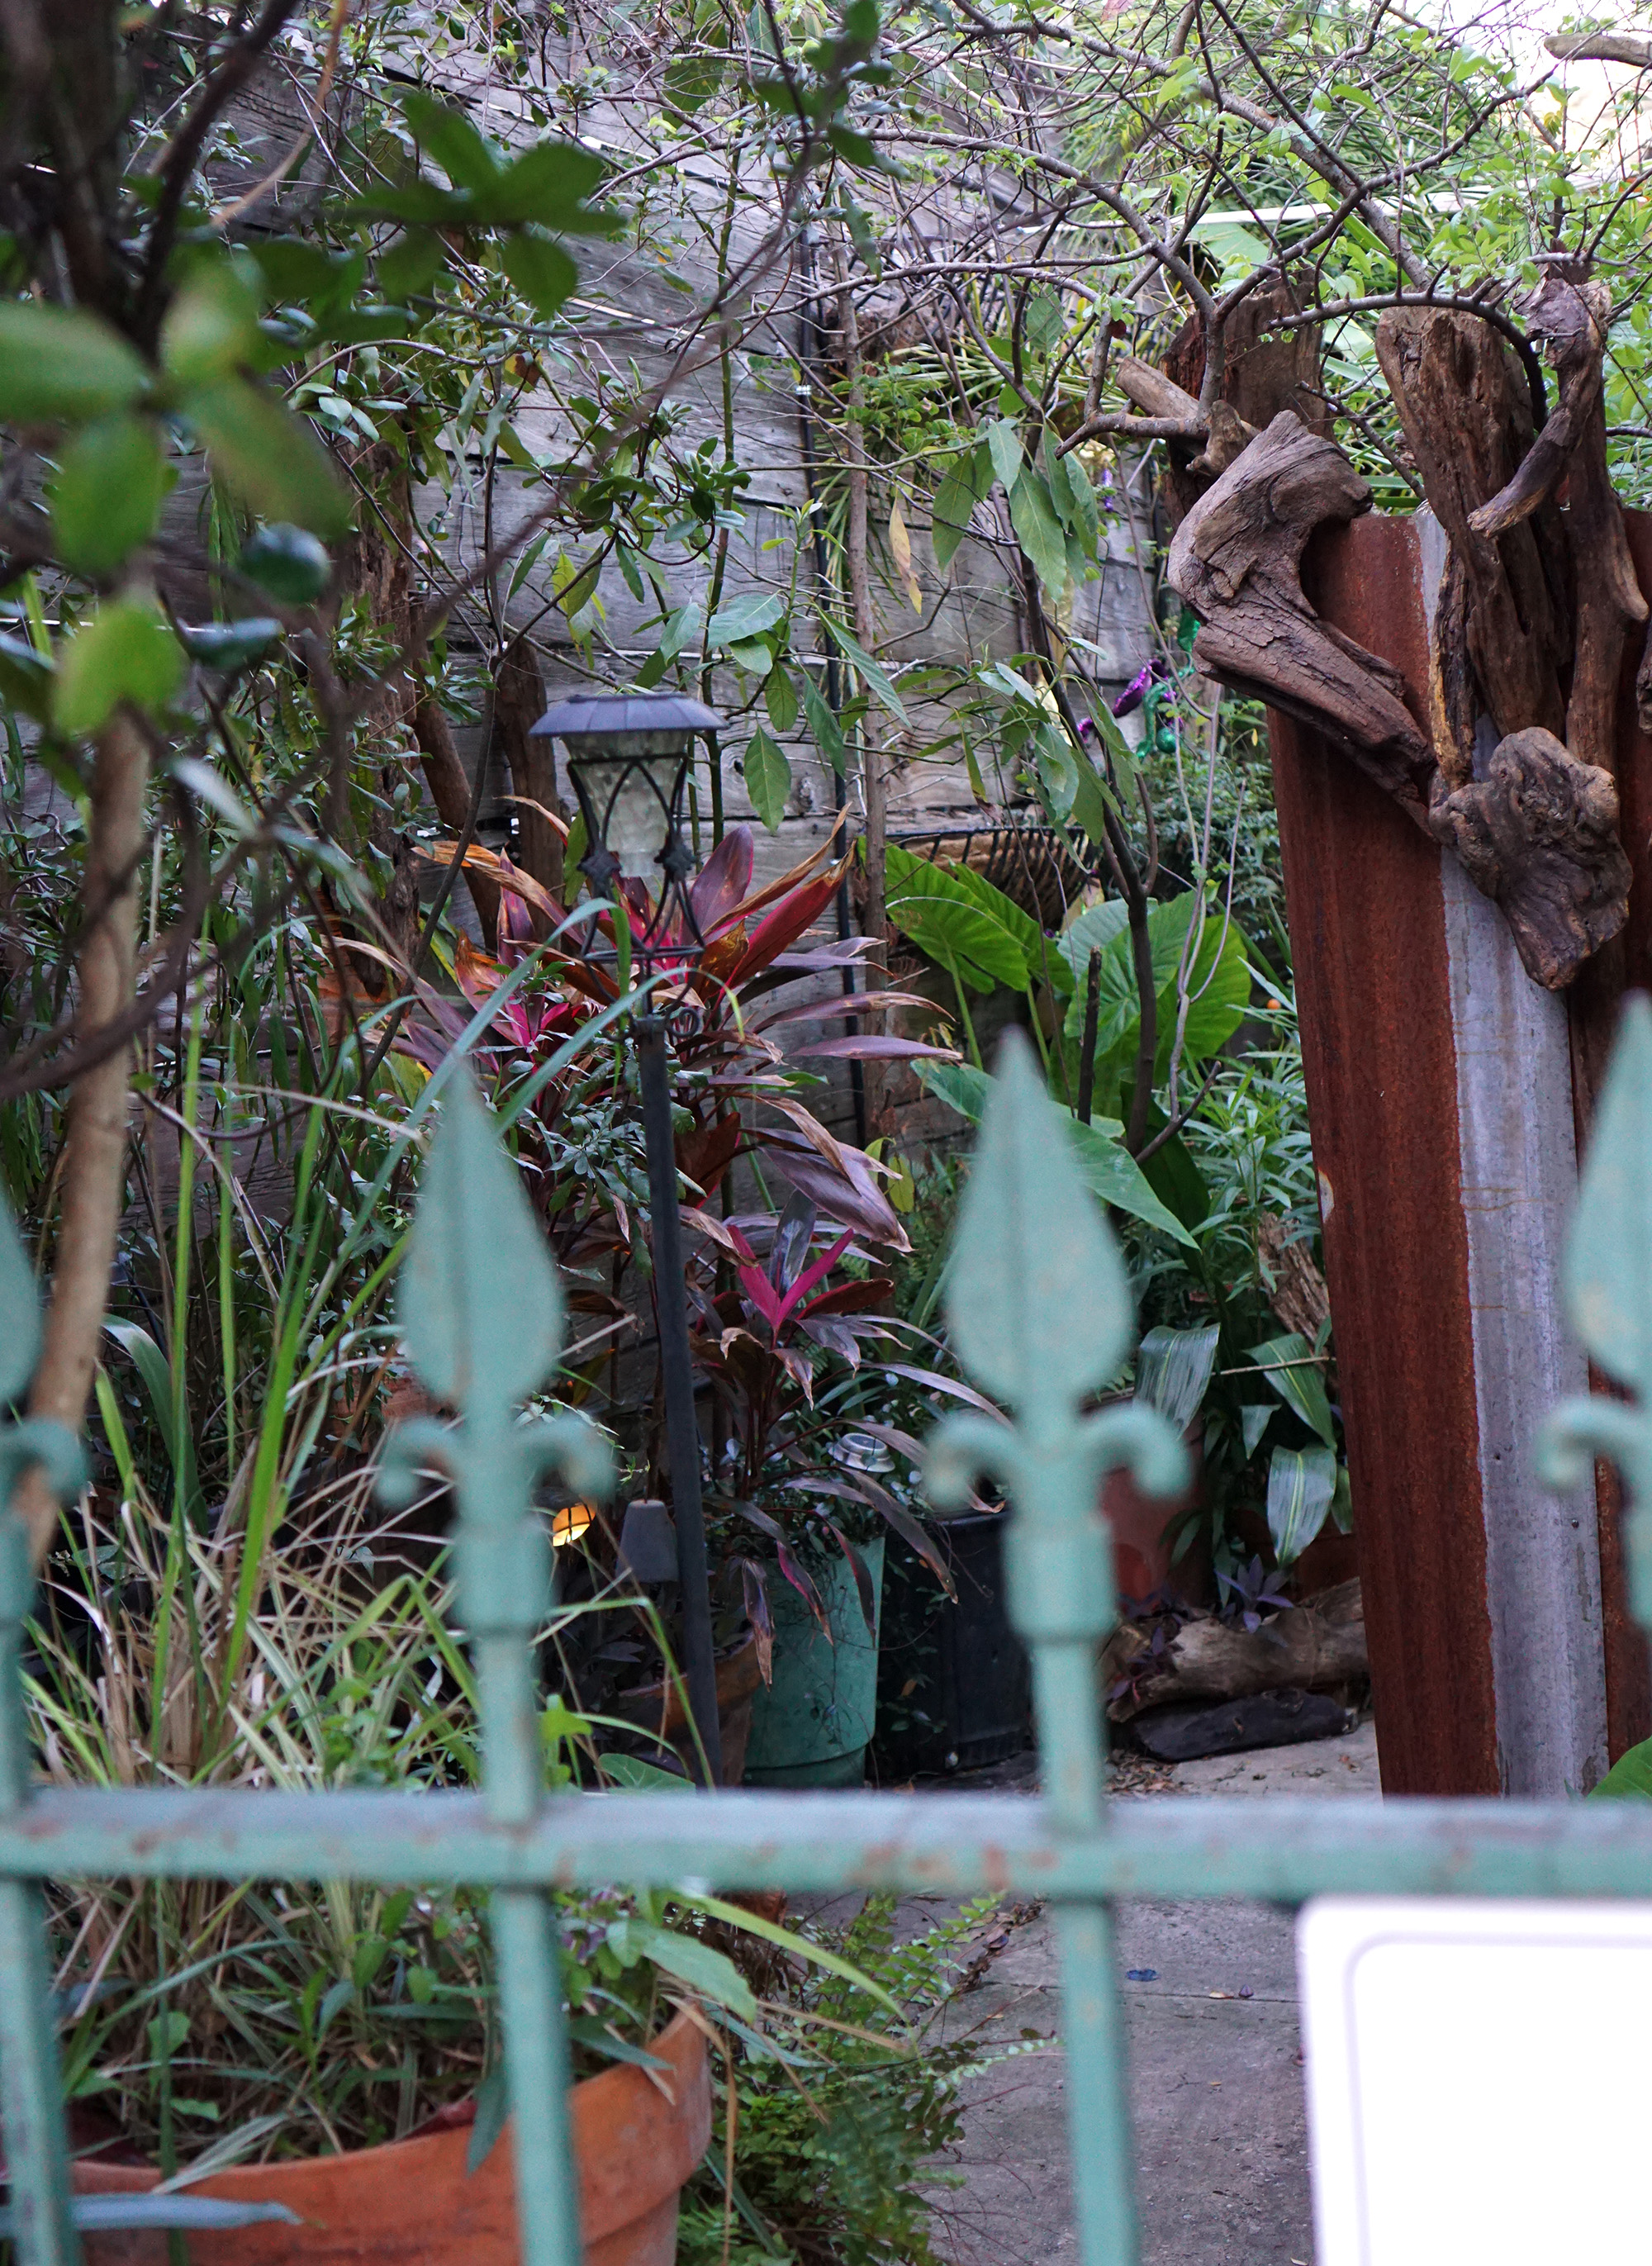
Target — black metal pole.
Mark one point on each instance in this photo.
(682, 1432)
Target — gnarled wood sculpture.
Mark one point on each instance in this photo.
(1535, 612)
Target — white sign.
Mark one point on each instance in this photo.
(1479, 2081)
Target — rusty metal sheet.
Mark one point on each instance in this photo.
(1364, 895)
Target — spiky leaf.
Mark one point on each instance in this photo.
(479, 1306)
(1037, 1294)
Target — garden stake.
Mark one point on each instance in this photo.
(1040, 1313)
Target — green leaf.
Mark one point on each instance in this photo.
(944, 918)
(492, 2114)
(1174, 1370)
(126, 652)
(780, 698)
(540, 269)
(681, 629)
(955, 499)
(768, 779)
(1630, 1775)
(231, 645)
(549, 184)
(19, 1312)
(479, 1305)
(1004, 446)
(411, 264)
(1254, 1419)
(211, 328)
(1073, 498)
(1301, 1389)
(1300, 1484)
(710, 1973)
(824, 729)
(25, 678)
(271, 461)
(752, 655)
(960, 1086)
(448, 135)
(1037, 1298)
(1111, 1172)
(1609, 1252)
(288, 563)
(743, 618)
(298, 273)
(59, 365)
(107, 494)
(1092, 802)
(872, 676)
(1038, 531)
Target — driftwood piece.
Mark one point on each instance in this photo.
(1236, 560)
(1264, 371)
(1610, 606)
(1571, 318)
(1299, 1294)
(1502, 628)
(1538, 834)
(1314, 1647)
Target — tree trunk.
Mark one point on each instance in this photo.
(94, 1164)
(519, 702)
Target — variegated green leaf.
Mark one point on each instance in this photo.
(1301, 1483)
(479, 1306)
(1289, 1367)
(1173, 1370)
(1036, 1295)
(1609, 1253)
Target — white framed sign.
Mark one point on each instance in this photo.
(1479, 2080)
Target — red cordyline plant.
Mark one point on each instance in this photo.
(775, 1312)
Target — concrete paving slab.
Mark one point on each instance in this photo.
(1216, 2074)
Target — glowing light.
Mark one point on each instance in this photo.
(569, 1525)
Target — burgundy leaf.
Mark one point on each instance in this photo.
(872, 1046)
(757, 1597)
(862, 1573)
(909, 1530)
(722, 881)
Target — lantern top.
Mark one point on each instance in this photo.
(602, 715)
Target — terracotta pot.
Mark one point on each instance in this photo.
(412, 2203)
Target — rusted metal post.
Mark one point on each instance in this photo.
(1446, 1114)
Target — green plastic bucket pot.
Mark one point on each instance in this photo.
(811, 1727)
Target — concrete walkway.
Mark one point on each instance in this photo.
(1216, 2075)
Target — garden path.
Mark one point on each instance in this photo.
(1215, 2078)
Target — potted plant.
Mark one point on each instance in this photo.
(324, 2058)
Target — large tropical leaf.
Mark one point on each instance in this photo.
(1290, 1369)
(950, 922)
(1173, 1370)
(1107, 1166)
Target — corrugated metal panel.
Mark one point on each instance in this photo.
(1373, 987)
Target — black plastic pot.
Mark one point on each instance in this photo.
(954, 1691)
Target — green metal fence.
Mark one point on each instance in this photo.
(1040, 1311)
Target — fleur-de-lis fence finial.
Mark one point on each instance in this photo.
(1608, 1282)
(1040, 1314)
(480, 1312)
